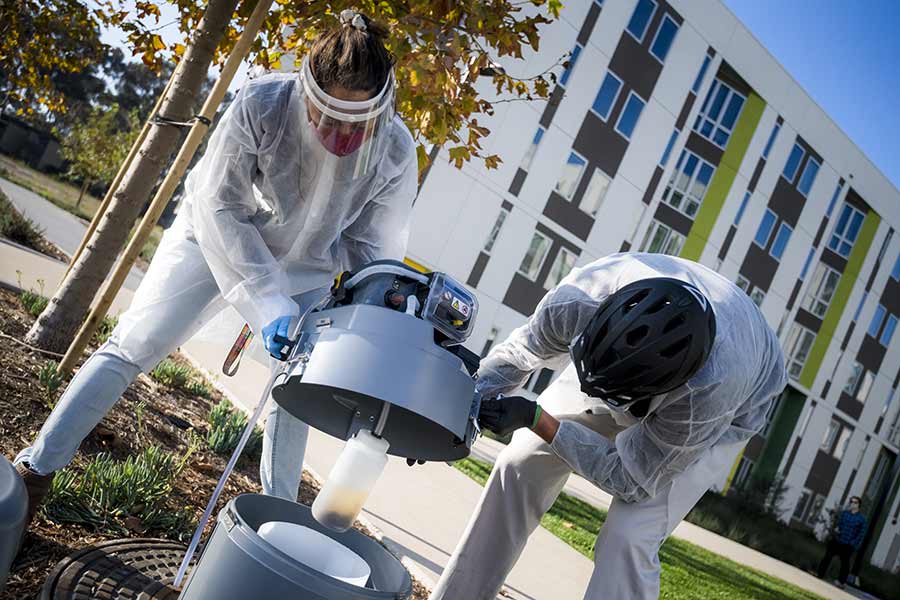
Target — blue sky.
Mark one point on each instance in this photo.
(845, 55)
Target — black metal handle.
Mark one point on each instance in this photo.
(287, 346)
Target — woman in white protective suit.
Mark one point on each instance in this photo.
(672, 371)
(304, 176)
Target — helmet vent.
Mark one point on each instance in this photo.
(674, 349)
(634, 337)
(657, 306)
(635, 300)
(674, 323)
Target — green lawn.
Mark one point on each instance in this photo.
(688, 571)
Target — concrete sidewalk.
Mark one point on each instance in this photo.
(422, 510)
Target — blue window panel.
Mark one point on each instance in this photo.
(765, 229)
(665, 35)
(855, 224)
(771, 142)
(606, 96)
(637, 26)
(538, 136)
(731, 113)
(793, 162)
(630, 115)
(834, 197)
(743, 206)
(809, 258)
(888, 332)
(697, 82)
(895, 272)
(572, 60)
(859, 306)
(808, 177)
(781, 241)
(875, 325)
(668, 150)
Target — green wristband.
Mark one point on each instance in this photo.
(537, 415)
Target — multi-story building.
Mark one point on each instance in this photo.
(673, 130)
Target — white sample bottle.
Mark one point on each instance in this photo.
(354, 475)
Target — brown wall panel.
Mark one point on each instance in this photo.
(850, 405)
(600, 144)
(834, 260)
(808, 320)
(568, 215)
(705, 149)
(587, 27)
(821, 474)
(651, 187)
(726, 245)
(518, 179)
(871, 353)
(757, 173)
(674, 219)
(685, 111)
(635, 65)
(478, 270)
(890, 297)
(552, 105)
(820, 232)
(787, 202)
(759, 267)
(523, 295)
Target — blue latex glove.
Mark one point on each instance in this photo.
(280, 327)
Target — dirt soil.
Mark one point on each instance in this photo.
(168, 417)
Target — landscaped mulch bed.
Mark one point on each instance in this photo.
(168, 418)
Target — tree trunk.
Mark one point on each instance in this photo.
(60, 321)
(84, 187)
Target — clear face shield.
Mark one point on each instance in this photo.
(354, 131)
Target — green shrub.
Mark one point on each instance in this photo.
(225, 428)
(171, 373)
(106, 328)
(198, 387)
(50, 380)
(33, 303)
(109, 490)
(18, 228)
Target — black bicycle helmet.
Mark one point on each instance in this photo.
(646, 339)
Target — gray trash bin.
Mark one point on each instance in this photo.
(13, 508)
(237, 564)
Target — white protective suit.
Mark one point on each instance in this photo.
(656, 468)
(269, 217)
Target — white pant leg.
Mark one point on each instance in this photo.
(175, 298)
(626, 555)
(524, 484)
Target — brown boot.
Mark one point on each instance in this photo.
(36, 486)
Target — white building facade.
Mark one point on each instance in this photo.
(673, 130)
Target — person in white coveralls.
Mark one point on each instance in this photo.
(671, 369)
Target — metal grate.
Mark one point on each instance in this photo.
(129, 569)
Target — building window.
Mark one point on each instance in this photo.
(799, 342)
(809, 176)
(888, 333)
(719, 113)
(687, 186)
(538, 384)
(631, 112)
(757, 296)
(895, 272)
(742, 207)
(489, 342)
(662, 239)
(534, 257)
(743, 283)
(781, 240)
(771, 142)
(765, 229)
(770, 416)
(570, 176)
(665, 35)
(856, 372)
(814, 510)
(877, 320)
(532, 149)
(564, 262)
(495, 231)
(808, 262)
(699, 81)
(840, 447)
(821, 290)
(802, 502)
(831, 436)
(640, 19)
(859, 306)
(606, 96)
(846, 230)
(742, 474)
(793, 163)
(573, 58)
(668, 150)
(834, 199)
(865, 386)
(595, 193)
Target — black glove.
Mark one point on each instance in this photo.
(507, 414)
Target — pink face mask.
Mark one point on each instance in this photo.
(338, 143)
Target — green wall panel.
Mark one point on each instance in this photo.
(723, 178)
(839, 300)
(783, 425)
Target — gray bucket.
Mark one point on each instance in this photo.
(13, 508)
(237, 564)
